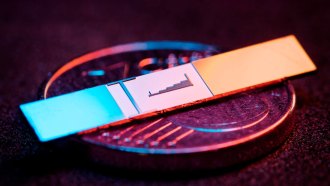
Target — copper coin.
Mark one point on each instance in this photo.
(220, 133)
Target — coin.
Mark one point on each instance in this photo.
(216, 134)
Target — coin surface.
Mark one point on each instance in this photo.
(215, 134)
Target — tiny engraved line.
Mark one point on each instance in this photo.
(144, 128)
(126, 130)
(183, 136)
(160, 138)
(155, 131)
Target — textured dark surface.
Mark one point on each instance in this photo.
(38, 37)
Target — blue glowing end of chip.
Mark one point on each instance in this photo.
(71, 113)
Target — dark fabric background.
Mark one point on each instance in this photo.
(36, 37)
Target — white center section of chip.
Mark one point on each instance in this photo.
(122, 100)
(167, 88)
